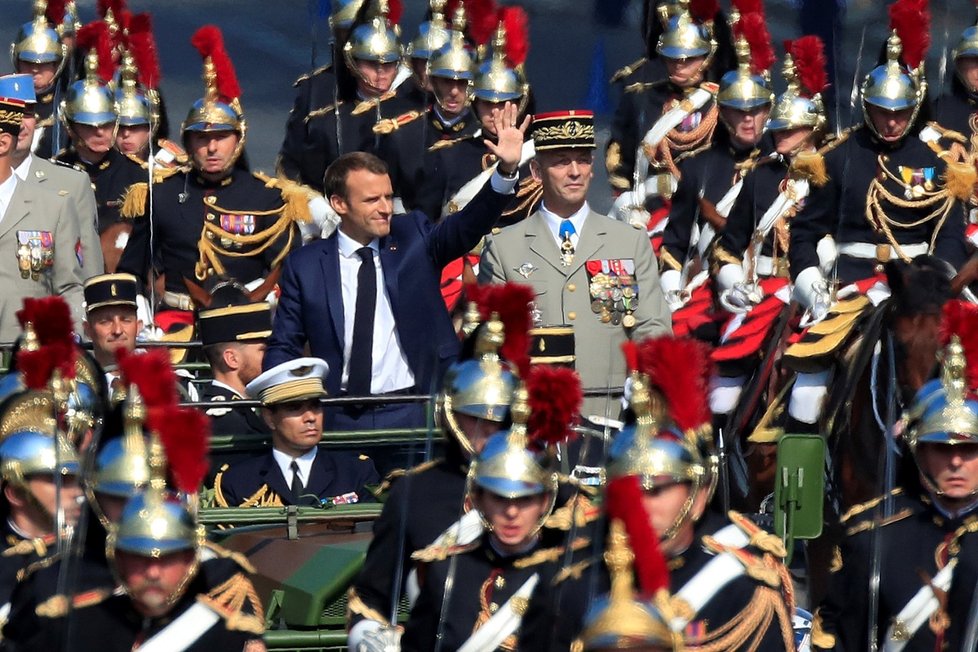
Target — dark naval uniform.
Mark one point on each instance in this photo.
(962, 599)
(420, 507)
(862, 171)
(314, 91)
(405, 140)
(485, 583)
(110, 180)
(19, 553)
(258, 482)
(452, 163)
(237, 227)
(732, 618)
(913, 545)
(231, 420)
(47, 125)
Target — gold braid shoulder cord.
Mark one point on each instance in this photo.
(210, 251)
(749, 626)
(683, 142)
(877, 217)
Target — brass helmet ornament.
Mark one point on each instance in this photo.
(899, 83)
(455, 59)
(749, 85)
(89, 101)
(500, 77)
(377, 39)
(432, 34)
(801, 104)
(220, 107)
(38, 42)
(482, 383)
(689, 32)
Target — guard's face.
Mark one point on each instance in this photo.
(566, 175)
(252, 354)
(375, 78)
(953, 468)
(366, 211)
(420, 69)
(46, 492)
(665, 504)
(97, 139)
(789, 141)
(476, 430)
(685, 72)
(513, 520)
(746, 127)
(483, 110)
(890, 125)
(968, 71)
(296, 426)
(112, 328)
(451, 94)
(27, 127)
(153, 582)
(213, 151)
(132, 140)
(42, 73)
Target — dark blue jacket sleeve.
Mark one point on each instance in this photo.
(288, 337)
(460, 232)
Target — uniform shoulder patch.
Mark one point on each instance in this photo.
(238, 603)
(860, 508)
(448, 142)
(870, 524)
(321, 111)
(223, 553)
(628, 71)
(309, 75)
(550, 555)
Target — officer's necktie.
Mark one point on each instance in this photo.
(361, 350)
(296, 482)
(566, 231)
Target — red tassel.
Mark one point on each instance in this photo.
(185, 433)
(753, 28)
(680, 369)
(516, 23)
(555, 397)
(395, 11)
(482, 20)
(55, 11)
(630, 349)
(808, 53)
(911, 20)
(103, 6)
(95, 35)
(210, 43)
(703, 11)
(623, 502)
(961, 319)
(511, 302)
(144, 52)
(152, 373)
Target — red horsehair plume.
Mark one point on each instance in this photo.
(50, 318)
(517, 26)
(185, 434)
(630, 350)
(623, 501)
(754, 30)
(95, 35)
(703, 11)
(55, 11)
(745, 7)
(143, 49)
(511, 302)
(210, 43)
(555, 397)
(961, 319)
(679, 368)
(395, 9)
(808, 53)
(153, 375)
(911, 20)
(482, 19)
(103, 7)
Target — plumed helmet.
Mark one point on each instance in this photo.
(375, 40)
(498, 79)
(432, 34)
(29, 440)
(38, 42)
(801, 104)
(687, 35)
(455, 59)
(749, 85)
(344, 13)
(89, 101)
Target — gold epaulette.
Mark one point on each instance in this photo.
(57, 605)
(970, 526)
(37, 545)
(233, 555)
(638, 87)
(757, 536)
(627, 71)
(547, 555)
(811, 166)
(855, 510)
(764, 568)
(572, 572)
(576, 513)
(440, 552)
(295, 195)
(870, 524)
(323, 110)
(356, 605)
(667, 261)
(135, 198)
(387, 126)
(310, 74)
(950, 134)
(448, 142)
(397, 474)
(237, 602)
(365, 105)
(612, 157)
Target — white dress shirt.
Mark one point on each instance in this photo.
(6, 193)
(25, 167)
(554, 221)
(284, 461)
(390, 367)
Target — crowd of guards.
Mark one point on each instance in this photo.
(609, 390)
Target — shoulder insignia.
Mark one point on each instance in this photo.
(64, 165)
(135, 198)
(576, 513)
(57, 605)
(440, 552)
(295, 196)
(363, 458)
(365, 105)
(572, 572)
(950, 134)
(970, 526)
(496, 230)
(836, 564)
(37, 545)
(238, 603)
(448, 142)
(321, 111)
(223, 553)
(550, 554)
(763, 568)
(356, 605)
(759, 538)
(264, 497)
(135, 159)
(388, 126)
(835, 141)
(312, 73)
(219, 498)
(821, 639)
(40, 564)
(865, 526)
(811, 166)
(711, 87)
(628, 71)
(855, 510)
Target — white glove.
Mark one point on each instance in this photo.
(324, 220)
(671, 283)
(144, 314)
(741, 297)
(812, 292)
(629, 207)
(729, 275)
(384, 639)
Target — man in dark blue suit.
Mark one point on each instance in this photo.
(367, 299)
(295, 471)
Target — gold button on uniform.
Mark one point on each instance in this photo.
(572, 315)
(571, 287)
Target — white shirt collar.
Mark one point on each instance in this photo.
(348, 246)
(217, 383)
(284, 461)
(577, 219)
(25, 167)
(7, 193)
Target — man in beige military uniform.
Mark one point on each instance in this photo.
(590, 272)
(38, 236)
(62, 179)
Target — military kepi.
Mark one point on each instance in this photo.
(111, 290)
(241, 323)
(562, 130)
(11, 115)
(295, 380)
(18, 87)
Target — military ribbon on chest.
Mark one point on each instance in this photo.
(613, 290)
(35, 253)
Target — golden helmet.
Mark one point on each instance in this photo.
(749, 85)
(121, 465)
(944, 410)
(455, 59)
(685, 37)
(967, 46)
(89, 101)
(344, 13)
(496, 80)
(30, 443)
(801, 104)
(432, 34)
(376, 40)
(38, 42)
(131, 104)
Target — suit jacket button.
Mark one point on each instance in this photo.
(572, 315)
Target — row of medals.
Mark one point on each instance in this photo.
(613, 299)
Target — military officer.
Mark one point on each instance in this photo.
(589, 272)
(711, 179)
(233, 338)
(294, 471)
(112, 321)
(907, 533)
(90, 119)
(215, 219)
(408, 136)
(67, 181)
(39, 230)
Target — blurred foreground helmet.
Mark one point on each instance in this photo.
(944, 410)
(801, 104)
(749, 85)
(29, 439)
(121, 465)
(376, 40)
(38, 42)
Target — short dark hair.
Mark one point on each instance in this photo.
(334, 181)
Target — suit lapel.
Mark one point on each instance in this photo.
(321, 475)
(334, 292)
(19, 208)
(541, 242)
(272, 476)
(590, 242)
(389, 258)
